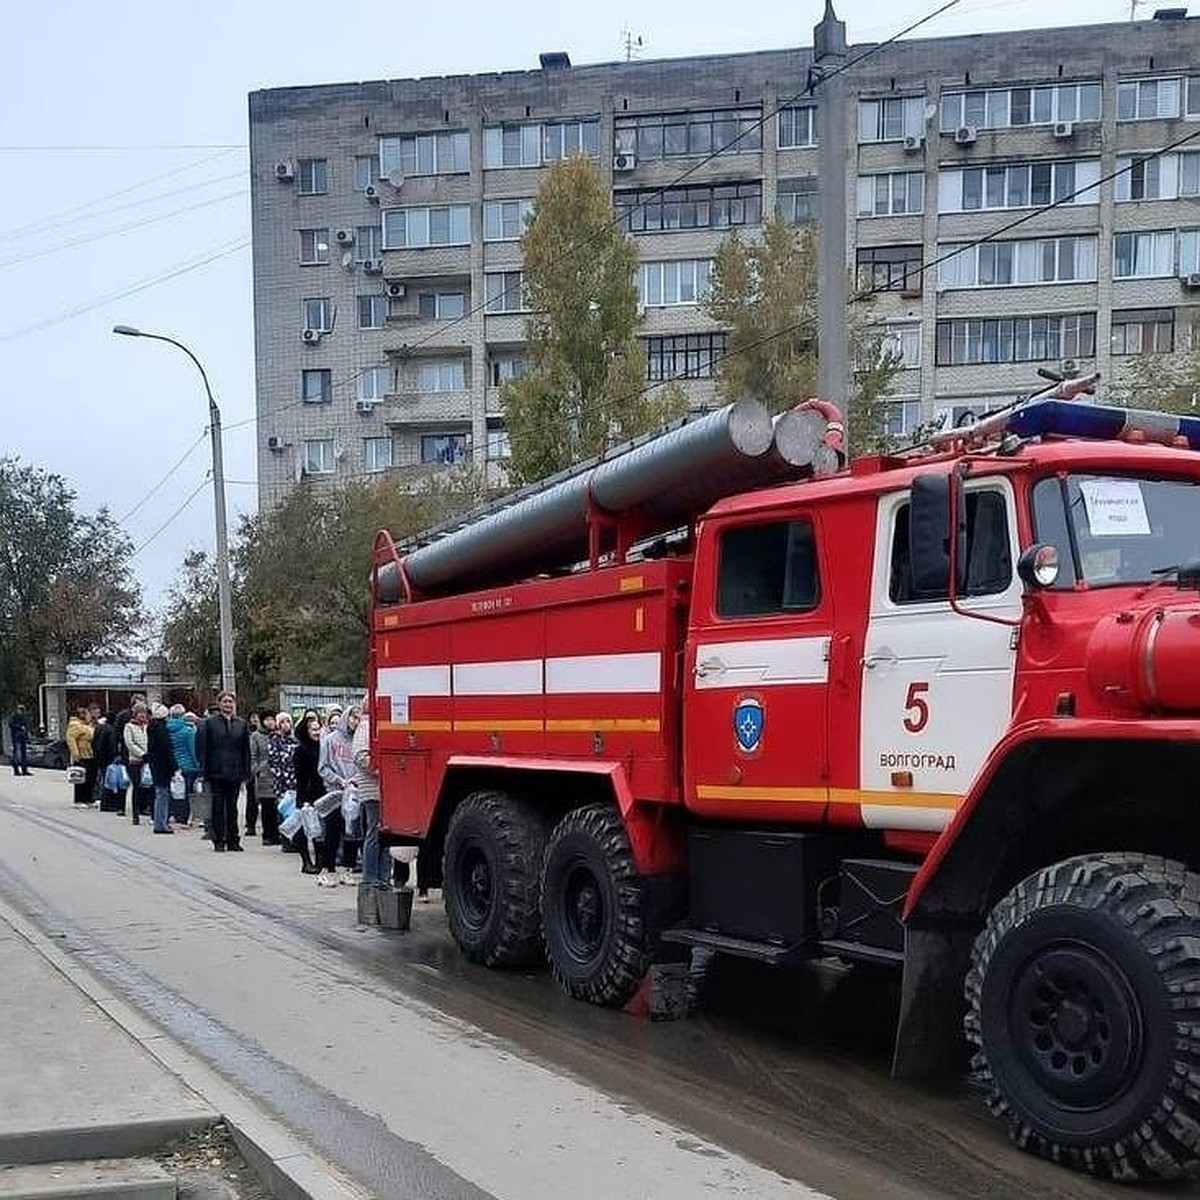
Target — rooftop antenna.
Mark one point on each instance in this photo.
(1133, 7)
(631, 43)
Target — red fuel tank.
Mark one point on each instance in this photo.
(1147, 659)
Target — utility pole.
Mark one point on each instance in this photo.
(828, 80)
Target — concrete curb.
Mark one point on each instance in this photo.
(284, 1164)
(130, 1139)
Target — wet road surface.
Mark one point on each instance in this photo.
(785, 1074)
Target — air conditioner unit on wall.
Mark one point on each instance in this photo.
(364, 408)
(966, 135)
(1192, 281)
(372, 193)
(1064, 129)
(396, 290)
(345, 237)
(310, 337)
(285, 170)
(372, 266)
(914, 143)
(275, 444)
(624, 162)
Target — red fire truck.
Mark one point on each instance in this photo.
(938, 712)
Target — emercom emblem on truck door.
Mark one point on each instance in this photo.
(748, 721)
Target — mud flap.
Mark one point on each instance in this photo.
(930, 1044)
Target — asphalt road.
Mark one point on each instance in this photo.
(424, 1077)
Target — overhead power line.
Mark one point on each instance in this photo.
(159, 485)
(171, 519)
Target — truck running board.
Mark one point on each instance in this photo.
(766, 952)
(857, 952)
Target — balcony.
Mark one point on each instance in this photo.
(410, 407)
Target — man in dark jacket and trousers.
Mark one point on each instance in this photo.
(161, 757)
(223, 748)
(18, 728)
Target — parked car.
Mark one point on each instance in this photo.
(47, 752)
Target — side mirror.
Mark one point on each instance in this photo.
(1038, 566)
(935, 495)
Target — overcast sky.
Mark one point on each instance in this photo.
(124, 198)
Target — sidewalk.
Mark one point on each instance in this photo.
(76, 1085)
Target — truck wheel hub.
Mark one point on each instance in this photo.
(1076, 1024)
(584, 910)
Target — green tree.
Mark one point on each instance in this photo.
(1163, 382)
(301, 585)
(764, 291)
(585, 388)
(66, 585)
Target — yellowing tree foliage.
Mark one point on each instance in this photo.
(585, 388)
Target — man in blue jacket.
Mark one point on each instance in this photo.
(223, 751)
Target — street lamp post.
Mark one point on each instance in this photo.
(224, 587)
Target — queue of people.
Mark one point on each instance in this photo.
(170, 765)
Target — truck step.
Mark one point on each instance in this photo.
(111, 1178)
(857, 952)
(767, 952)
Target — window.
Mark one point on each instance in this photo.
(316, 386)
(901, 415)
(987, 552)
(318, 313)
(891, 195)
(766, 570)
(1189, 172)
(498, 445)
(368, 243)
(1143, 331)
(1143, 255)
(314, 247)
(533, 145)
(1002, 264)
(684, 356)
(721, 206)
(374, 383)
(971, 341)
(797, 127)
(903, 343)
(563, 139)
(377, 454)
(661, 284)
(312, 176)
(318, 456)
(448, 448)
(1189, 252)
(442, 306)
(442, 375)
(1025, 185)
(1002, 108)
(890, 268)
(364, 171)
(504, 220)
(689, 134)
(1148, 99)
(796, 199)
(1104, 552)
(439, 153)
(372, 311)
(892, 119)
(503, 367)
(413, 228)
(505, 292)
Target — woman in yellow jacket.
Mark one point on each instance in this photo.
(80, 732)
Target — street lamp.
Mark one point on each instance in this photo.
(224, 587)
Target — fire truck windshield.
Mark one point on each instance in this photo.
(1117, 529)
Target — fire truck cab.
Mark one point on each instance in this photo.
(938, 713)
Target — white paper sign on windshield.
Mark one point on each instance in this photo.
(1114, 507)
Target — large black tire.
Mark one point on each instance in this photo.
(492, 879)
(592, 907)
(1083, 1003)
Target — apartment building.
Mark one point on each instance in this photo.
(389, 308)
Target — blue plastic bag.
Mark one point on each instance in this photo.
(286, 804)
(116, 778)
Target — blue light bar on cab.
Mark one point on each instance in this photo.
(1069, 419)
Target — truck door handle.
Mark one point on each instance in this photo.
(709, 666)
(881, 658)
